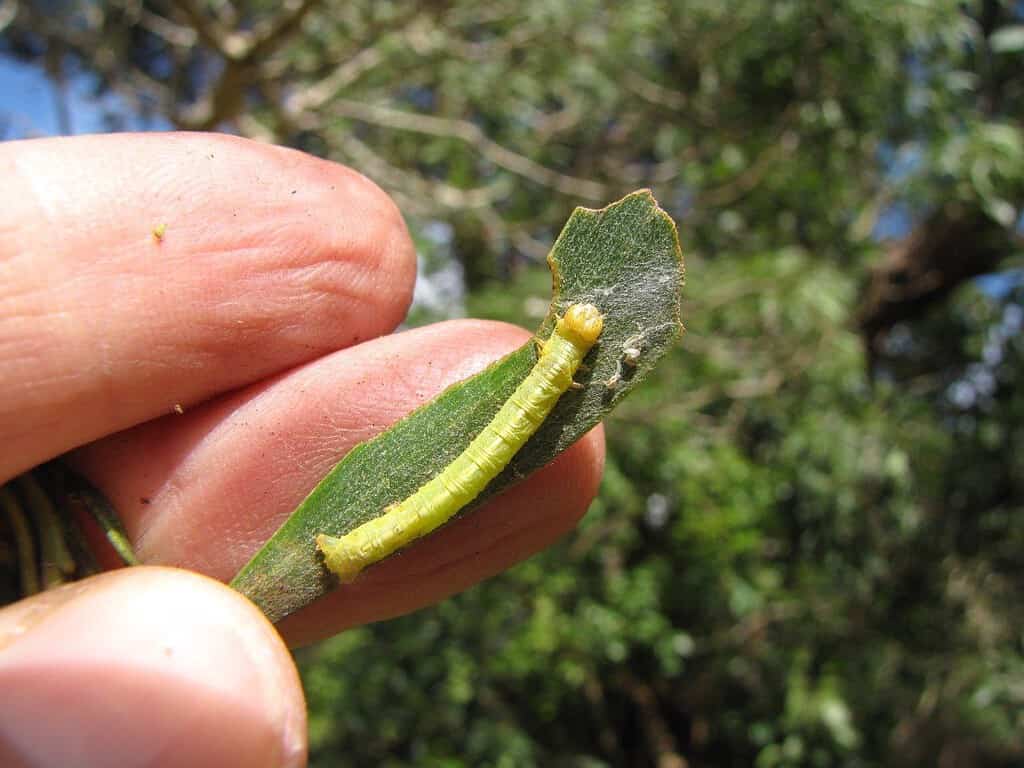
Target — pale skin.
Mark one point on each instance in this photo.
(265, 312)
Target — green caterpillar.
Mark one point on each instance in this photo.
(460, 482)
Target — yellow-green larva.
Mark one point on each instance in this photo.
(440, 498)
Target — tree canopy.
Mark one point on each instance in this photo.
(809, 546)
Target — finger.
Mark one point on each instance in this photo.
(270, 258)
(206, 490)
(146, 667)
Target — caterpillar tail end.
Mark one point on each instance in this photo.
(338, 558)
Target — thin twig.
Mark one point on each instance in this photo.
(444, 195)
(315, 96)
(470, 133)
(105, 516)
(653, 92)
(56, 564)
(8, 10)
(171, 32)
(272, 34)
(209, 30)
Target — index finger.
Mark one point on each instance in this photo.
(141, 274)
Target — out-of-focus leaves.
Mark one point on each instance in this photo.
(1008, 39)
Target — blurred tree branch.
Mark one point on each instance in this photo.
(953, 245)
(475, 137)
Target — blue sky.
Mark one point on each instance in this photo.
(28, 104)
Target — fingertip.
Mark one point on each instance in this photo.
(267, 257)
(147, 667)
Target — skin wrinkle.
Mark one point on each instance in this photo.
(384, 252)
(331, 279)
(321, 296)
(318, 286)
(15, 382)
(37, 308)
(30, 380)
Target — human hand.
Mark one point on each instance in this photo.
(262, 313)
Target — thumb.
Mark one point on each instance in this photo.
(146, 667)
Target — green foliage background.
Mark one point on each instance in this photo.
(783, 578)
(809, 548)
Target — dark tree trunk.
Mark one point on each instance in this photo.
(954, 244)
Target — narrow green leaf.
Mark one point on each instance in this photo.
(25, 547)
(625, 259)
(56, 562)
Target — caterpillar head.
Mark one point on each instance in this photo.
(583, 320)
